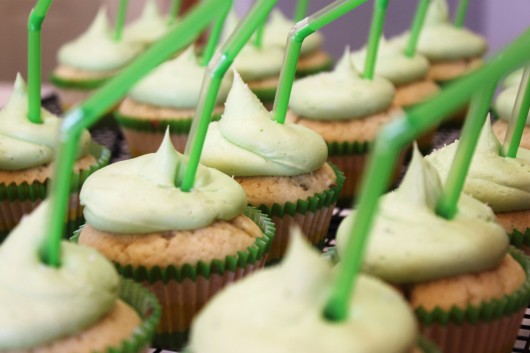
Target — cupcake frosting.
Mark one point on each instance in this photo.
(248, 142)
(341, 94)
(503, 183)
(409, 243)
(280, 310)
(139, 195)
(149, 27)
(40, 304)
(254, 63)
(177, 84)
(513, 79)
(505, 103)
(277, 30)
(24, 144)
(96, 50)
(393, 64)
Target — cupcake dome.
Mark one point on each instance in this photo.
(148, 28)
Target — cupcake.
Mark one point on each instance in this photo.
(347, 111)
(166, 98)
(148, 28)
(280, 310)
(183, 246)
(313, 58)
(26, 154)
(80, 306)
(513, 79)
(501, 182)
(85, 63)
(290, 183)
(458, 274)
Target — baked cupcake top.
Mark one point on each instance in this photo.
(248, 142)
(176, 84)
(149, 27)
(410, 243)
(139, 195)
(278, 28)
(24, 144)
(505, 103)
(280, 309)
(393, 64)
(341, 94)
(40, 304)
(96, 50)
(501, 182)
(440, 40)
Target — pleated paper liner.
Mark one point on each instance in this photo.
(145, 135)
(183, 291)
(491, 327)
(16, 200)
(521, 240)
(312, 215)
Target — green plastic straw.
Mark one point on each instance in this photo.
(174, 11)
(36, 18)
(215, 33)
(300, 12)
(120, 20)
(461, 12)
(258, 37)
(92, 109)
(294, 44)
(391, 141)
(210, 87)
(417, 25)
(519, 115)
(378, 21)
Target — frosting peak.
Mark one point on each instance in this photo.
(148, 27)
(437, 13)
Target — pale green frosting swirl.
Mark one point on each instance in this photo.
(40, 304)
(505, 103)
(24, 144)
(149, 27)
(279, 310)
(503, 183)
(254, 63)
(513, 79)
(341, 94)
(278, 28)
(177, 84)
(146, 187)
(409, 243)
(393, 64)
(96, 50)
(248, 142)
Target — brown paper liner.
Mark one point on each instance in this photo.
(496, 336)
(143, 142)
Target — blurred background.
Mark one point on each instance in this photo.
(500, 21)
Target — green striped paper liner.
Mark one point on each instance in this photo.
(86, 85)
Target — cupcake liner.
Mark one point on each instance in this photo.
(521, 240)
(265, 94)
(312, 215)
(16, 200)
(77, 84)
(183, 290)
(491, 327)
(427, 346)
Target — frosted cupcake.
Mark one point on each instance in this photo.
(148, 28)
(313, 58)
(85, 63)
(281, 167)
(458, 274)
(280, 310)
(347, 111)
(184, 246)
(73, 308)
(166, 98)
(26, 155)
(503, 183)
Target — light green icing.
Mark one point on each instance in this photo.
(24, 144)
(409, 243)
(503, 183)
(279, 310)
(393, 64)
(139, 195)
(177, 84)
(341, 94)
(96, 50)
(40, 304)
(505, 103)
(248, 142)
(278, 28)
(149, 27)
(513, 79)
